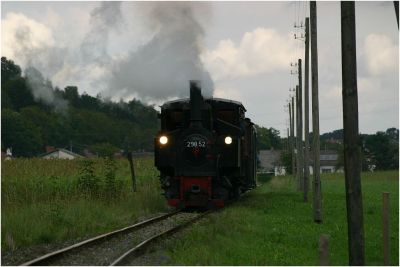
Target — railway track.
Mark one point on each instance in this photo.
(120, 246)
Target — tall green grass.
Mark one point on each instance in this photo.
(44, 201)
(272, 226)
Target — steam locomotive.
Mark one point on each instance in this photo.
(205, 151)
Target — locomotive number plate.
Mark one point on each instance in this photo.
(196, 143)
(195, 149)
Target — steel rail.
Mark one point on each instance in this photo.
(124, 257)
(42, 259)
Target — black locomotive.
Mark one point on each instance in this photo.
(205, 150)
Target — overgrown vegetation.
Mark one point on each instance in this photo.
(49, 201)
(272, 226)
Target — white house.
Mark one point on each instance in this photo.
(270, 162)
(60, 153)
(328, 161)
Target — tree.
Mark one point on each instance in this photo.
(286, 159)
(268, 138)
(9, 70)
(381, 150)
(17, 94)
(393, 134)
(104, 149)
(71, 94)
(20, 134)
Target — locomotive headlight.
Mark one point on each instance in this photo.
(163, 140)
(228, 140)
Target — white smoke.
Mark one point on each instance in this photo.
(42, 89)
(163, 67)
(31, 44)
(103, 20)
(157, 70)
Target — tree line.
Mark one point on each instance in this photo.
(379, 151)
(101, 126)
(77, 121)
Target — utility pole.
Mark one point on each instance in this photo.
(295, 118)
(352, 163)
(292, 134)
(298, 140)
(317, 195)
(290, 122)
(287, 141)
(300, 131)
(306, 114)
(396, 9)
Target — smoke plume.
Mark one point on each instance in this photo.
(157, 70)
(162, 68)
(42, 89)
(103, 19)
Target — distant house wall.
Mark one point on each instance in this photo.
(328, 162)
(269, 159)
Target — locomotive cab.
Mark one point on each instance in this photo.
(203, 150)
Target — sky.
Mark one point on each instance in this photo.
(239, 50)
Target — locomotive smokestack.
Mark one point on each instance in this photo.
(196, 102)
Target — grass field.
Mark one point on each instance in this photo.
(272, 226)
(43, 201)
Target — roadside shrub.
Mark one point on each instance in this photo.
(88, 182)
(110, 189)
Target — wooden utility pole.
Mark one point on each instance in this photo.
(317, 194)
(128, 154)
(292, 136)
(306, 114)
(300, 109)
(396, 9)
(290, 132)
(129, 157)
(298, 140)
(352, 163)
(287, 141)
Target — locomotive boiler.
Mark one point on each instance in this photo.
(205, 151)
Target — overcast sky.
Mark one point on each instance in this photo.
(240, 51)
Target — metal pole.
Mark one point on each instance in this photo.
(352, 163)
(317, 195)
(306, 114)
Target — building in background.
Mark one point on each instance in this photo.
(270, 162)
(328, 162)
(60, 153)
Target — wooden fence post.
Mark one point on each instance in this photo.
(129, 157)
(386, 235)
(323, 250)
